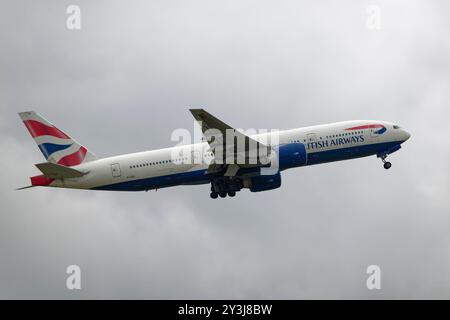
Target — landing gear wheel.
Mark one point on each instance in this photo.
(222, 194)
(213, 195)
(231, 194)
(387, 165)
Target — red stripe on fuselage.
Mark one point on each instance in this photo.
(73, 159)
(369, 126)
(38, 129)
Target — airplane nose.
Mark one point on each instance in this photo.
(406, 135)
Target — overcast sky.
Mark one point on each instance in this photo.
(125, 81)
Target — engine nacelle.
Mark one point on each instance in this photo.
(291, 155)
(263, 183)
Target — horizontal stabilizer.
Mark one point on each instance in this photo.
(57, 171)
(25, 187)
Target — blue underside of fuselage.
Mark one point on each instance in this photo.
(201, 177)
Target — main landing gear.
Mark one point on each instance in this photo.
(215, 195)
(222, 187)
(386, 164)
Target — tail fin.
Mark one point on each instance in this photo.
(56, 146)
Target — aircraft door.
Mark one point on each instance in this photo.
(311, 137)
(372, 133)
(196, 157)
(115, 170)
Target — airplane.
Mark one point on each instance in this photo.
(71, 165)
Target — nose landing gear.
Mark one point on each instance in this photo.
(386, 164)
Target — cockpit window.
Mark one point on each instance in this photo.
(396, 126)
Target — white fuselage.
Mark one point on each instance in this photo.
(166, 167)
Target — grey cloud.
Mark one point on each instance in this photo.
(127, 79)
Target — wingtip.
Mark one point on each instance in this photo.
(196, 109)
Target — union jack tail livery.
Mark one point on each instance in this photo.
(56, 146)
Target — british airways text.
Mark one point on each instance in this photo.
(333, 142)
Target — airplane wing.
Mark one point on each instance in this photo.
(57, 171)
(240, 152)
